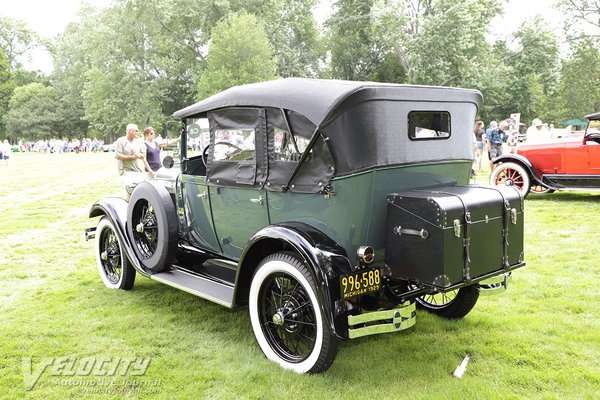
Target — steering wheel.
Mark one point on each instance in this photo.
(205, 155)
(238, 150)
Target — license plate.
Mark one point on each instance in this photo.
(360, 282)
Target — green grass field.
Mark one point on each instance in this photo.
(538, 340)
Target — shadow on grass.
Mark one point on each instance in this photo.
(417, 349)
(566, 195)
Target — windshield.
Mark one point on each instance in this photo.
(198, 136)
(593, 128)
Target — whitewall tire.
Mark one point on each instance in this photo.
(286, 316)
(114, 267)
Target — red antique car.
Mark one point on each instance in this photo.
(568, 163)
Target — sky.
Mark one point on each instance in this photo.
(49, 18)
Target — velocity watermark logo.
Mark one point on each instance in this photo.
(109, 371)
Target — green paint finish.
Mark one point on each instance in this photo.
(238, 213)
(198, 213)
(356, 215)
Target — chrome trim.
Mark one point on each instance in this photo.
(365, 254)
(494, 285)
(375, 322)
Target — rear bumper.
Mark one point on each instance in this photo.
(495, 285)
(90, 233)
(374, 322)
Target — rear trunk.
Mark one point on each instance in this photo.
(454, 235)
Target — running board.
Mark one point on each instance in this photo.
(198, 286)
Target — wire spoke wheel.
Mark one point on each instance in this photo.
(452, 304)
(110, 257)
(145, 231)
(114, 266)
(510, 177)
(288, 317)
(511, 174)
(438, 300)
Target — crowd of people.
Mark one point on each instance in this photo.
(61, 146)
(504, 136)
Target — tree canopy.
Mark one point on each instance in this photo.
(235, 59)
(140, 60)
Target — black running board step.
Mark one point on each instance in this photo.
(198, 286)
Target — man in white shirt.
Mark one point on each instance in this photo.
(131, 155)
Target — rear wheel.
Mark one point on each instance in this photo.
(511, 174)
(540, 189)
(286, 315)
(114, 267)
(453, 304)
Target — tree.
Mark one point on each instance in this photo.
(71, 63)
(578, 93)
(535, 61)
(148, 71)
(32, 112)
(17, 40)
(7, 85)
(584, 17)
(121, 83)
(436, 42)
(292, 30)
(240, 53)
(356, 49)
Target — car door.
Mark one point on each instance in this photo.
(197, 211)
(593, 156)
(236, 176)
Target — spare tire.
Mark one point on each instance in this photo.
(153, 226)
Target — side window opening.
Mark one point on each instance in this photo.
(287, 147)
(235, 145)
(428, 125)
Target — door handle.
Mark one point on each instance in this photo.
(257, 201)
(201, 195)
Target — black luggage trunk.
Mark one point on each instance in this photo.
(454, 234)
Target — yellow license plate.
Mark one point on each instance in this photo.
(360, 282)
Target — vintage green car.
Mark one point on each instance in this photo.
(331, 208)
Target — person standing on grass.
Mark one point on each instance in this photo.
(479, 133)
(5, 151)
(131, 159)
(496, 138)
(153, 150)
(486, 138)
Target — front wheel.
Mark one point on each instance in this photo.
(114, 267)
(453, 304)
(511, 174)
(286, 316)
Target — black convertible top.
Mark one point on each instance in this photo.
(593, 116)
(358, 125)
(318, 99)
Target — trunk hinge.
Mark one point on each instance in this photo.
(507, 214)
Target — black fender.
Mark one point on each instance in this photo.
(523, 161)
(326, 259)
(115, 208)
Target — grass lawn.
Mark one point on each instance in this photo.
(540, 339)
